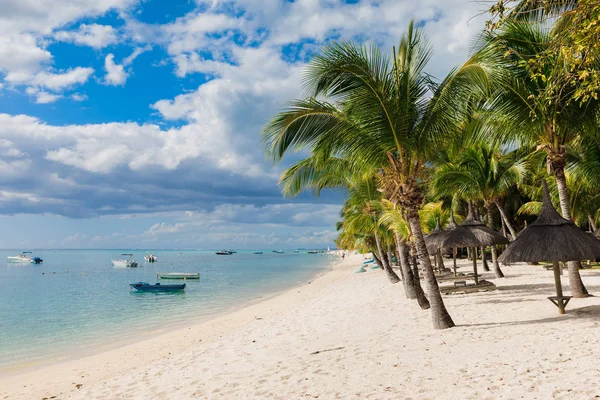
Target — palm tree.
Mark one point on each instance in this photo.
(361, 213)
(535, 103)
(380, 114)
(482, 173)
(393, 219)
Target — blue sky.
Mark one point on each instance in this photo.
(128, 123)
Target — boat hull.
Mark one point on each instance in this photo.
(146, 287)
(177, 275)
(124, 264)
(17, 259)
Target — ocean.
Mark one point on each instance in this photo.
(77, 300)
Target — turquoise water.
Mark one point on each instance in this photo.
(76, 299)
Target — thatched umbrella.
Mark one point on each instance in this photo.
(437, 236)
(472, 233)
(433, 240)
(552, 238)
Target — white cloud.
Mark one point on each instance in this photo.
(46, 98)
(79, 97)
(26, 26)
(115, 73)
(20, 55)
(42, 97)
(94, 35)
(136, 52)
(101, 148)
(63, 79)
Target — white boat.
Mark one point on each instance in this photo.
(178, 275)
(151, 258)
(24, 257)
(125, 261)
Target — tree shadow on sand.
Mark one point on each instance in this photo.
(587, 312)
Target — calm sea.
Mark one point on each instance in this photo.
(77, 300)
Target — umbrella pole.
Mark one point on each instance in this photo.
(454, 260)
(474, 252)
(557, 283)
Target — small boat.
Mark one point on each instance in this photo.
(151, 258)
(278, 251)
(125, 261)
(178, 275)
(146, 287)
(224, 253)
(368, 261)
(24, 257)
(296, 251)
(258, 252)
(312, 252)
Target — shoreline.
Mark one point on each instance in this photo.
(131, 336)
(210, 326)
(348, 335)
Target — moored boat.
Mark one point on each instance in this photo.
(224, 253)
(151, 258)
(125, 261)
(24, 257)
(258, 252)
(178, 275)
(278, 251)
(146, 287)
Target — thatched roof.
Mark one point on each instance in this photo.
(472, 233)
(434, 238)
(451, 224)
(551, 238)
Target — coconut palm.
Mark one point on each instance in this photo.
(381, 114)
(361, 213)
(393, 219)
(536, 106)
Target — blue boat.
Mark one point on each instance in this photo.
(146, 287)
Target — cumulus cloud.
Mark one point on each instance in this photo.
(93, 35)
(202, 153)
(26, 26)
(115, 73)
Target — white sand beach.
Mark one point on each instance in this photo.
(346, 336)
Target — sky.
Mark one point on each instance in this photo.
(136, 124)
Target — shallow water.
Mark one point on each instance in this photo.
(77, 299)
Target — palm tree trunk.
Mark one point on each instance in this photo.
(440, 316)
(440, 260)
(386, 266)
(421, 298)
(507, 222)
(576, 284)
(490, 220)
(486, 267)
(390, 255)
(377, 259)
(592, 223)
(407, 275)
